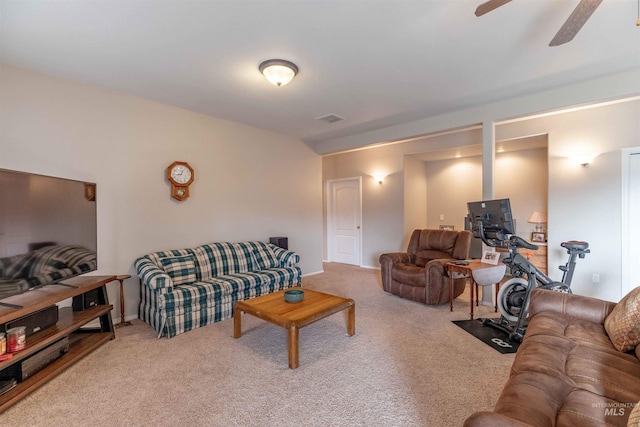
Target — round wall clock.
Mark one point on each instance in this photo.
(180, 175)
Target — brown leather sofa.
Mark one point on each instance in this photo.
(419, 274)
(567, 371)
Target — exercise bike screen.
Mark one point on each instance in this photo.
(496, 217)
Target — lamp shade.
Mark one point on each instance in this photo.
(278, 71)
(537, 217)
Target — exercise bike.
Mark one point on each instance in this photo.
(514, 294)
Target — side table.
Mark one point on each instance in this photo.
(121, 279)
(467, 270)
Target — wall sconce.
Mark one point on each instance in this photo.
(538, 218)
(584, 159)
(379, 178)
(278, 71)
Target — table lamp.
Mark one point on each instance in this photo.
(538, 218)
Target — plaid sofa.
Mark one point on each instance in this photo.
(184, 289)
(49, 264)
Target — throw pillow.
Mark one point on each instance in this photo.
(46, 267)
(181, 269)
(20, 267)
(634, 416)
(623, 323)
(265, 258)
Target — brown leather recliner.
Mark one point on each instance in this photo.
(419, 274)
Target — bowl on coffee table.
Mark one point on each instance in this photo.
(293, 295)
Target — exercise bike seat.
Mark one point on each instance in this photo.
(575, 245)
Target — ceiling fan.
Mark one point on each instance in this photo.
(569, 29)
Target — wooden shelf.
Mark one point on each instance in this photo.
(77, 351)
(81, 342)
(43, 297)
(68, 322)
(539, 258)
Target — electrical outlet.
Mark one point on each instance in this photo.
(441, 217)
(595, 278)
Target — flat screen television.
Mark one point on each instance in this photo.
(495, 216)
(48, 230)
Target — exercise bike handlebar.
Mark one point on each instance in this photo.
(502, 241)
(519, 242)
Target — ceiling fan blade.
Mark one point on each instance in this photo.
(489, 6)
(576, 20)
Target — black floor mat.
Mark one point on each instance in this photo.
(495, 338)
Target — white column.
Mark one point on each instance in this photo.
(488, 169)
(488, 158)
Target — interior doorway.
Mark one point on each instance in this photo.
(344, 219)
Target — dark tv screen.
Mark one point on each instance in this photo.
(48, 230)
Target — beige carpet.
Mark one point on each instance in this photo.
(407, 365)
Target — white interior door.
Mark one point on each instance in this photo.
(344, 220)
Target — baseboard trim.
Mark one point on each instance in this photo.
(361, 266)
(313, 273)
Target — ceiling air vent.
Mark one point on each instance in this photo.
(330, 118)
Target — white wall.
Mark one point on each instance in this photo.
(384, 228)
(249, 183)
(522, 176)
(583, 203)
(415, 196)
(450, 185)
(382, 219)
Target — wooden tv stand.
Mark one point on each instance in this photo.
(81, 341)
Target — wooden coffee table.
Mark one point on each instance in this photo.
(293, 316)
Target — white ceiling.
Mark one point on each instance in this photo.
(376, 63)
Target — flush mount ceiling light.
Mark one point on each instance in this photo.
(278, 71)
